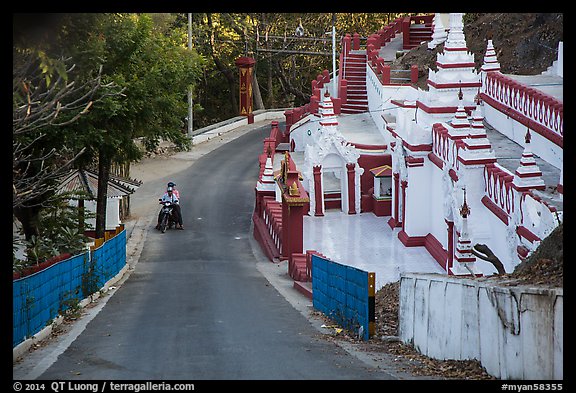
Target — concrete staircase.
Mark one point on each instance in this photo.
(355, 74)
(418, 34)
(300, 269)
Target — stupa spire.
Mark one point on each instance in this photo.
(490, 60)
(439, 35)
(326, 110)
(464, 258)
(528, 174)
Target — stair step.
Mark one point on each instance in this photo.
(354, 109)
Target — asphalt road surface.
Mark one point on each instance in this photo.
(196, 307)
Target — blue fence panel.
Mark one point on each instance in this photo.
(344, 294)
(39, 298)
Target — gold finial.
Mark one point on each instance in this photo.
(460, 94)
(293, 190)
(465, 209)
(527, 137)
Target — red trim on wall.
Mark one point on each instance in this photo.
(453, 175)
(455, 65)
(482, 161)
(539, 128)
(453, 85)
(530, 174)
(392, 223)
(442, 109)
(414, 161)
(382, 207)
(426, 147)
(460, 49)
(501, 214)
(527, 234)
(411, 241)
(368, 147)
(436, 160)
(522, 252)
(434, 247)
(402, 104)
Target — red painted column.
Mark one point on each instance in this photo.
(294, 200)
(450, 245)
(296, 228)
(318, 190)
(396, 196)
(414, 74)
(246, 64)
(351, 188)
(386, 74)
(356, 41)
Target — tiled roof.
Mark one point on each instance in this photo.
(85, 181)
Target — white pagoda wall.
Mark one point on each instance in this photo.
(438, 226)
(515, 332)
(418, 210)
(112, 212)
(498, 244)
(379, 97)
(540, 146)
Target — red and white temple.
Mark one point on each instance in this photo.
(432, 171)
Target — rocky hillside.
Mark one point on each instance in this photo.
(525, 44)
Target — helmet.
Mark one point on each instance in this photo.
(171, 184)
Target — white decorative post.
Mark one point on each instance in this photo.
(464, 259)
(439, 35)
(528, 175)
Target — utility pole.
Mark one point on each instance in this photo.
(190, 99)
(333, 54)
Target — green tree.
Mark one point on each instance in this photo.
(147, 71)
(155, 71)
(285, 62)
(50, 93)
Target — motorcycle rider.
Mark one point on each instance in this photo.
(177, 193)
(174, 190)
(170, 196)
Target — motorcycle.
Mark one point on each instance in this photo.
(167, 218)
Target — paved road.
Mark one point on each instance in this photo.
(196, 306)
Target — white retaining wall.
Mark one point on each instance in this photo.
(516, 332)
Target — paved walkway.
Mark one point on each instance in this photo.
(367, 242)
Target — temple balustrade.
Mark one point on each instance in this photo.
(272, 216)
(445, 147)
(295, 114)
(498, 190)
(531, 107)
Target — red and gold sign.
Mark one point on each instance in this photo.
(246, 65)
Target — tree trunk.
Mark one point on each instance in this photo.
(287, 84)
(28, 217)
(104, 165)
(258, 103)
(483, 252)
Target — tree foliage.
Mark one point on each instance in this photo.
(85, 86)
(285, 63)
(141, 71)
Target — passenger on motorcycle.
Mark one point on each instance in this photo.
(170, 196)
(174, 190)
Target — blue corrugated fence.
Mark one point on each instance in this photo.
(37, 299)
(345, 294)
